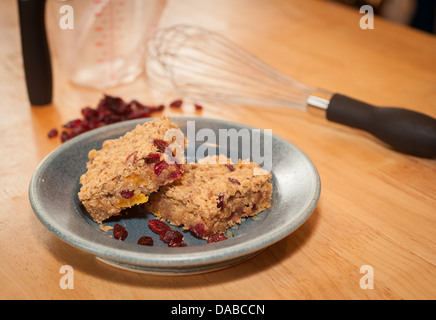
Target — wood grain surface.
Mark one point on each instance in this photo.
(377, 206)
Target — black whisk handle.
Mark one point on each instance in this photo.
(404, 130)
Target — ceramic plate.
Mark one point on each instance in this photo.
(53, 195)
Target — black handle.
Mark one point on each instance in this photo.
(405, 130)
(36, 55)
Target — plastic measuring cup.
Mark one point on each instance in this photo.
(101, 43)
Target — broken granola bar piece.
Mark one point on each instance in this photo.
(126, 170)
(210, 198)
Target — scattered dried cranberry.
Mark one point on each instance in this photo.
(216, 237)
(89, 113)
(127, 194)
(198, 230)
(64, 136)
(158, 226)
(166, 234)
(109, 110)
(236, 181)
(161, 145)
(198, 107)
(53, 133)
(230, 167)
(253, 207)
(173, 238)
(73, 124)
(137, 114)
(152, 158)
(115, 105)
(150, 109)
(159, 167)
(220, 203)
(120, 233)
(176, 103)
(145, 241)
(175, 174)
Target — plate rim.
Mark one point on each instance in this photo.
(151, 259)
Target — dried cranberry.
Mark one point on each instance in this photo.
(176, 103)
(74, 132)
(112, 104)
(152, 158)
(91, 124)
(173, 238)
(161, 145)
(110, 118)
(73, 124)
(141, 107)
(145, 241)
(176, 174)
(198, 107)
(137, 114)
(158, 226)
(124, 109)
(253, 207)
(198, 230)
(103, 114)
(120, 233)
(177, 244)
(89, 113)
(220, 203)
(64, 136)
(166, 234)
(147, 109)
(53, 133)
(159, 167)
(138, 105)
(127, 194)
(236, 181)
(230, 167)
(216, 237)
(109, 110)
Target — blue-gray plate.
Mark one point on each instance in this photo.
(53, 196)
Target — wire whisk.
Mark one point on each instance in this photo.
(204, 66)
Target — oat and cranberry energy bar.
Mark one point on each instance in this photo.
(126, 170)
(210, 198)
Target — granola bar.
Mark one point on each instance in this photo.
(210, 198)
(126, 170)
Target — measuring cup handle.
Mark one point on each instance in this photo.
(36, 54)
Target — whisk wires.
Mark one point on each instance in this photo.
(204, 66)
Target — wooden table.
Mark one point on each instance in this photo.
(377, 206)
